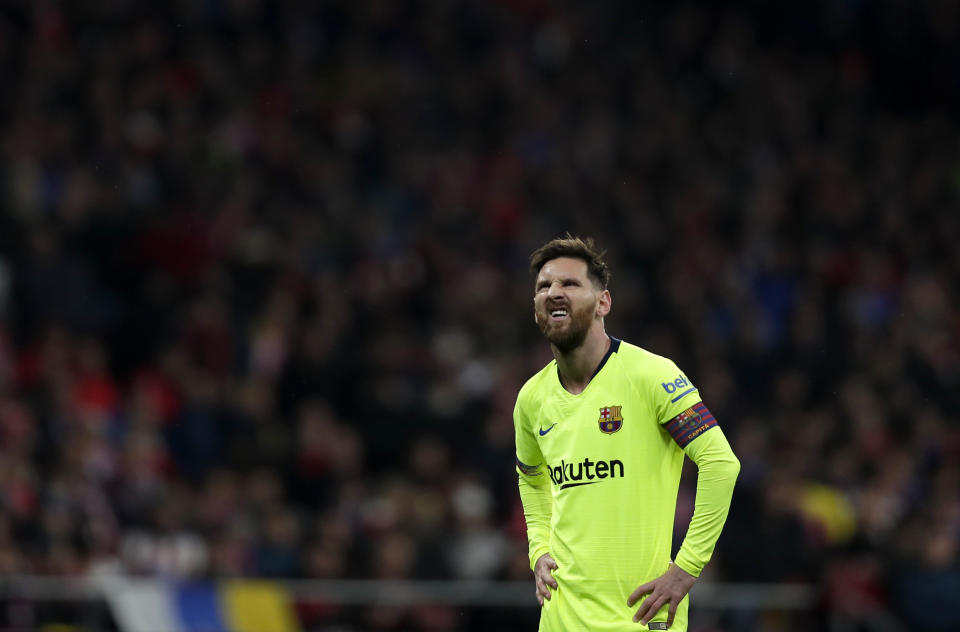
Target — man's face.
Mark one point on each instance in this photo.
(566, 302)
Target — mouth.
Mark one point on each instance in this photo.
(558, 314)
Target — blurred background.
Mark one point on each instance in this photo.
(265, 308)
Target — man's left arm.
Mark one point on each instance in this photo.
(717, 469)
(696, 431)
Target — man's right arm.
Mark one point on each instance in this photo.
(537, 510)
(534, 486)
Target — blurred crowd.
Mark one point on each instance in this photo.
(265, 308)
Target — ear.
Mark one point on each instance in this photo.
(604, 303)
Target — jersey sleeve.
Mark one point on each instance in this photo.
(717, 470)
(532, 481)
(682, 413)
(670, 390)
(529, 459)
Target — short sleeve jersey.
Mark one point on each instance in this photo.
(614, 473)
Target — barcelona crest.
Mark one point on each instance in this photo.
(610, 419)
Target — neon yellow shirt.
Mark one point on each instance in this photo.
(599, 474)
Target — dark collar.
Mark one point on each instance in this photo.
(614, 347)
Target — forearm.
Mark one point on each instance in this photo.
(537, 510)
(717, 473)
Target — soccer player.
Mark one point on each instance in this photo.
(601, 433)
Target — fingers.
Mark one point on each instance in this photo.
(649, 608)
(644, 607)
(671, 587)
(544, 572)
(543, 576)
(542, 591)
(545, 581)
(549, 580)
(639, 592)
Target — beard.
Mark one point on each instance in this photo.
(566, 336)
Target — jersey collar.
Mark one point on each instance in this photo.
(614, 347)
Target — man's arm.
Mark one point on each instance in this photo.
(535, 494)
(717, 470)
(537, 510)
(717, 473)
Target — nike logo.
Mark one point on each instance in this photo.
(543, 432)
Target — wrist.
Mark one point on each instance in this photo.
(683, 570)
(536, 554)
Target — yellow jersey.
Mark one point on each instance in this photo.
(612, 458)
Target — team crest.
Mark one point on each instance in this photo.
(610, 419)
(689, 416)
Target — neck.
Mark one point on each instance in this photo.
(577, 365)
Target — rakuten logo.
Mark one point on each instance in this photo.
(586, 472)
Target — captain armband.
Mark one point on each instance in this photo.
(690, 424)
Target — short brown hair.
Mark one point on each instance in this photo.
(575, 248)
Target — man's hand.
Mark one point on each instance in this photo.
(543, 574)
(670, 587)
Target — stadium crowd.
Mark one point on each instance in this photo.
(264, 305)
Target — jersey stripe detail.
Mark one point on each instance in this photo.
(690, 424)
(529, 470)
(683, 394)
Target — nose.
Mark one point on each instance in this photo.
(555, 290)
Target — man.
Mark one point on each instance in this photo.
(601, 433)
